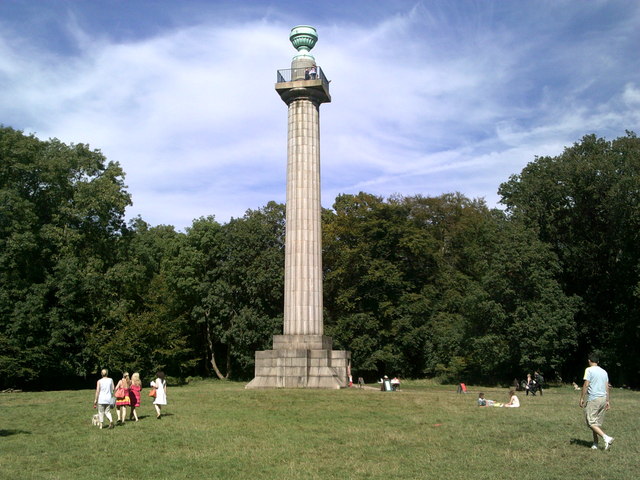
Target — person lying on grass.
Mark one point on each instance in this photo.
(483, 402)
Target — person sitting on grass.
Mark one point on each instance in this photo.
(395, 383)
(514, 401)
(483, 402)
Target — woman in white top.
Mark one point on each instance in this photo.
(160, 385)
(104, 394)
(514, 401)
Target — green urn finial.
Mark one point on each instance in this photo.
(303, 38)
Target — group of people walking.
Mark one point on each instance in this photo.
(127, 393)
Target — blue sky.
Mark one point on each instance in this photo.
(428, 97)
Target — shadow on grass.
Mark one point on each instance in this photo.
(580, 442)
(143, 417)
(6, 433)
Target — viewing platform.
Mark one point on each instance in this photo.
(293, 74)
(290, 82)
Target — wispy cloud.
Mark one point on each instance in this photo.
(427, 99)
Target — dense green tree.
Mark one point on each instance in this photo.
(364, 278)
(61, 216)
(442, 287)
(419, 286)
(585, 203)
(144, 326)
(233, 275)
(522, 320)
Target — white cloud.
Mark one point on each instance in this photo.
(631, 95)
(427, 100)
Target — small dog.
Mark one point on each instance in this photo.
(575, 386)
(95, 420)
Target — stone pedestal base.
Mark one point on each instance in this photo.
(301, 361)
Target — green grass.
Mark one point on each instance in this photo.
(219, 430)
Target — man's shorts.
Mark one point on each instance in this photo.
(594, 411)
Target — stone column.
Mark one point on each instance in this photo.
(303, 251)
(303, 356)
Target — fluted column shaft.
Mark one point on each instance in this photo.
(303, 251)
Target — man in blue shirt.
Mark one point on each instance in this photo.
(596, 391)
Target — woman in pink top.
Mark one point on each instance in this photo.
(122, 397)
(134, 395)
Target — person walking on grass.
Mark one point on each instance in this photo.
(134, 394)
(104, 392)
(596, 391)
(160, 384)
(122, 397)
(530, 385)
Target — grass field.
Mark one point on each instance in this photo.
(219, 430)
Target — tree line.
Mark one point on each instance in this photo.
(413, 285)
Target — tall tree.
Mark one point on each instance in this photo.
(442, 287)
(234, 275)
(144, 326)
(364, 278)
(585, 203)
(521, 319)
(61, 216)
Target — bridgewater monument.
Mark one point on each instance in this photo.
(303, 356)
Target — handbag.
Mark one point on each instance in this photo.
(112, 402)
(152, 392)
(121, 393)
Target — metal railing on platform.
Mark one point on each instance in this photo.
(306, 73)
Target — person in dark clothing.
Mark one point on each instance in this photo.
(530, 385)
(539, 379)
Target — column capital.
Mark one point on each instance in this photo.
(291, 91)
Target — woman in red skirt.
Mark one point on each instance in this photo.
(134, 395)
(122, 397)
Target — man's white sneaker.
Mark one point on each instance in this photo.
(607, 442)
(594, 446)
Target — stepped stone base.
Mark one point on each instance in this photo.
(301, 361)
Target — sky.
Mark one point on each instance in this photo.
(428, 97)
